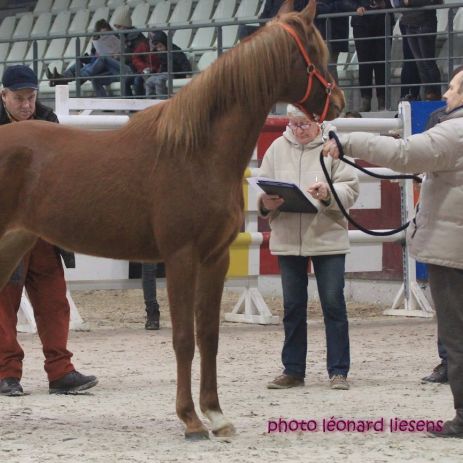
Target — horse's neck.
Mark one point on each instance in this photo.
(252, 79)
(236, 136)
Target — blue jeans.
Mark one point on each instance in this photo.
(157, 85)
(148, 281)
(103, 69)
(409, 74)
(329, 272)
(442, 351)
(138, 83)
(424, 51)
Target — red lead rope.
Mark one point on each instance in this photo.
(311, 72)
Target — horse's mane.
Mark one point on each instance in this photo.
(250, 75)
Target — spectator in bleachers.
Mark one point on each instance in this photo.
(338, 41)
(271, 9)
(137, 53)
(369, 32)
(418, 23)
(40, 271)
(409, 74)
(104, 66)
(181, 66)
(298, 238)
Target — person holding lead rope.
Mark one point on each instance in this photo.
(434, 237)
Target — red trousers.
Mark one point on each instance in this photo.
(43, 276)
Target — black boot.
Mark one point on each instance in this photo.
(365, 105)
(50, 77)
(59, 79)
(452, 428)
(381, 103)
(152, 318)
(438, 375)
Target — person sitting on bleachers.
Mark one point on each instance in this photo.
(137, 53)
(181, 67)
(102, 68)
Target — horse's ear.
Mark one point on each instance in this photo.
(308, 13)
(287, 7)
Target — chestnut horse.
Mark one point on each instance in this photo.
(166, 186)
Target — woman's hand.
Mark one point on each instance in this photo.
(271, 202)
(320, 191)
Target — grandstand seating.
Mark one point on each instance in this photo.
(60, 5)
(43, 6)
(160, 14)
(55, 18)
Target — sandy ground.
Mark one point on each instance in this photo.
(130, 416)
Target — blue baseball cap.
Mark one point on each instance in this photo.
(18, 77)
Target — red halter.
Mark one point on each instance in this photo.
(311, 72)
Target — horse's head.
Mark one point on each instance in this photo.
(312, 88)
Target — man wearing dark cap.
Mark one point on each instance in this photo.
(40, 272)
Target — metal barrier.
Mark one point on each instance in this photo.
(451, 53)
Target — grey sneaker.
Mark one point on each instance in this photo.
(11, 387)
(72, 383)
(285, 382)
(339, 382)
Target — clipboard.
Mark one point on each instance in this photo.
(295, 199)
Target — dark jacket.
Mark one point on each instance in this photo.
(419, 17)
(272, 7)
(181, 65)
(339, 26)
(43, 113)
(370, 5)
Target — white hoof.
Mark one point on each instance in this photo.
(221, 426)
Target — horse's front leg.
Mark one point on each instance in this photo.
(181, 270)
(13, 246)
(209, 289)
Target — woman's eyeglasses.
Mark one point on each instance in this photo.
(299, 125)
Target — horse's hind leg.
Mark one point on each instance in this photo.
(13, 246)
(181, 270)
(209, 291)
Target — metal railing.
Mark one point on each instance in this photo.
(349, 83)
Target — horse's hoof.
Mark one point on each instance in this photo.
(225, 431)
(197, 435)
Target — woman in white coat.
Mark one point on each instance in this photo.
(320, 237)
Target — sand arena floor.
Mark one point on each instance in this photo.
(130, 416)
